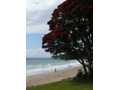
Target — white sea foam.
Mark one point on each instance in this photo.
(41, 69)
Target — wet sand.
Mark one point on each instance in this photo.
(40, 79)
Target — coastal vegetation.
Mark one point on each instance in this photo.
(64, 85)
(71, 34)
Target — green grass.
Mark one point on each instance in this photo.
(64, 85)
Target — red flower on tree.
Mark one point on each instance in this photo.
(71, 32)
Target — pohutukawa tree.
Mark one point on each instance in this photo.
(71, 33)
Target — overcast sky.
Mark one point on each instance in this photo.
(38, 12)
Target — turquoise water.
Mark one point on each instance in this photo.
(44, 65)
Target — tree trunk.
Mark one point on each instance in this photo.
(84, 66)
(90, 69)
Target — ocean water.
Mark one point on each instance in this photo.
(46, 65)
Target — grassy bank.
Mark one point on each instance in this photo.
(64, 85)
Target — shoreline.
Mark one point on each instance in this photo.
(51, 68)
(45, 78)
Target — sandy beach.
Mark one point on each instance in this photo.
(40, 79)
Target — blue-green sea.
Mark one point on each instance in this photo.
(45, 65)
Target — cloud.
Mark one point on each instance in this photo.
(38, 17)
(38, 13)
(42, 4)
(41, 29)
(37, 52)
(38, 4)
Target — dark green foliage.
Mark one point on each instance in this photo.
(71, 33)
(83, 77)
